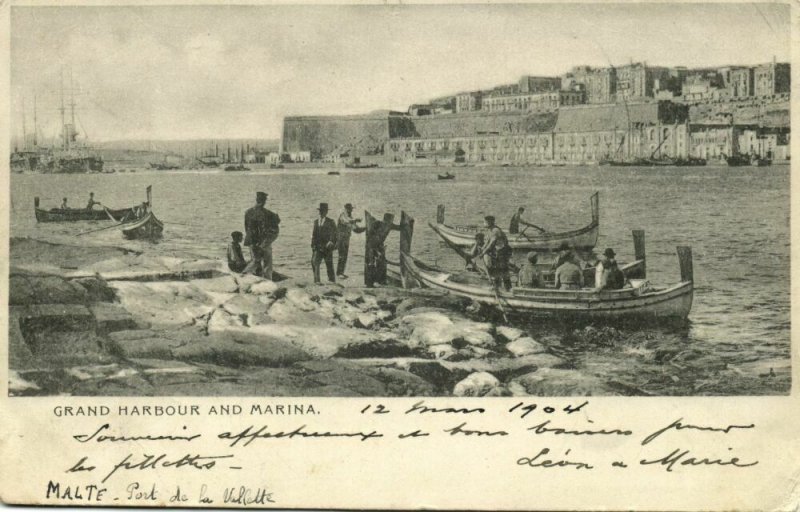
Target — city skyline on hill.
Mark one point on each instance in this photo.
(235, 72)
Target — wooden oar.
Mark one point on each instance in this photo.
(529, 225)
(469, 259)
(495, 290)
(101, 229)
(457, 249)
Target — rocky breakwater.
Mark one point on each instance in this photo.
(113, 322)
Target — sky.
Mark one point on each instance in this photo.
(184, 72)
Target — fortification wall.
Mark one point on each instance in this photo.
(325, 135)
(476, 123)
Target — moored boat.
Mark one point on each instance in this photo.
(146, 228)
(77, 214)
(640, 299)
(584, 238)
(446, 176)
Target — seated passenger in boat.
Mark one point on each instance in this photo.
(529, 276)
(480, 239)
(64, 204)
(608, 275)
(236, 261)
(569, 275)
(564, 253)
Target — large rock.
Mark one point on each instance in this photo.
(244, 305)
(285, 312)
(507, 334)
(436, 328)
(112, 317)
(144, 344)
(43, 318)
(507, 367)
(264, 288)
(222, 284)
(525, 346)
(97, 289)
(241, 349)
(558, 382)
(34, 289)
(478, 384)
(161, 304)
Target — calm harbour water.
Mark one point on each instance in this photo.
(735, 219)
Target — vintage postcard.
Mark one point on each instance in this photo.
(481, 256)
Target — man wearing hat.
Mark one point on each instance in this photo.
(346, 226)
(323, 242)
(529, 276)
(261, 228)
(496, 254)
(607, 274)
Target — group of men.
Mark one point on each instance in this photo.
(493, 248)
(262, 228)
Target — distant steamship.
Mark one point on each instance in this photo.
(70, 156)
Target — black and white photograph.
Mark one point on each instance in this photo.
(405, 200)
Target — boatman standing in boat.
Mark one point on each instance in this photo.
(346, 226)
(92, 202)
(516, 220)
(496, 254)
(323, 242)
(261, 228)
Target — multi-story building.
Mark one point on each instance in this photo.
(533, 84)
(740, 82)
(771, 78)
(532, 102)
(598, 84)
(469, 101)
(591, 133)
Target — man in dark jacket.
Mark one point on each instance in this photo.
(323, 242)
(261, 228)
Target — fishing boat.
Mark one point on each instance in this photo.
(77, 214)
(447, 176)
(237, 167)
(738, 160)
(583, 238)
(333, 173)
(358, 164)
(640, 299)
(146, 228)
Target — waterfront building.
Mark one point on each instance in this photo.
(591, 133)
(714, 141)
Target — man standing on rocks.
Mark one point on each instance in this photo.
(375, 257)
(261, 228)
(323, 242)
(346, 226)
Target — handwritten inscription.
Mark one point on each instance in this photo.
(189, 450)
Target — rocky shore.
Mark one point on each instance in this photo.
(108, 321)
(93, 321)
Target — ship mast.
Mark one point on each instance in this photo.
(35, 125)
(64, 136)
(24, 127)
(72, 130)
